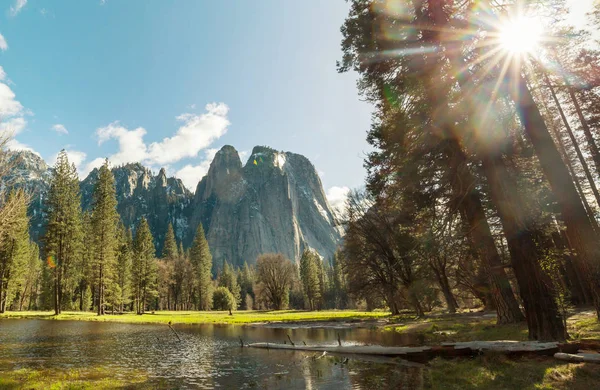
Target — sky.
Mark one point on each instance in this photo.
(167, 83)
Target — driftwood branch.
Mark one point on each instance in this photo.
(170, 327)
(291, 342)
(447, 350)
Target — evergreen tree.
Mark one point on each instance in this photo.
(14, 251)
(246, 282)
(85, 264)
(104, 228)
(63, 239)
(32, 274)
(124, 265)
(170, 256)
(228, 278)
(339, 282)
(201, 260)
(309, 275)
(145, 267)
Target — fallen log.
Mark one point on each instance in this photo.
(578, 358)
(425, 353)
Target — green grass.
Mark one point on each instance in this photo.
(499, 372)
(207, 317)
(582, 325)
(99, 378)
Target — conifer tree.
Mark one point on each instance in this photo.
(309, 275)
(246, 282)
(170, 256)
(104, 224)
(124, 264)
(228, 278)
(201, 260)
(30, 284)
(85, 263)
(63, 239)
(14, 251)
(145, 267)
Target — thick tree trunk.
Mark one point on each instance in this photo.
(464, 189)
(442, 279)
(581, 232)
(541, 311)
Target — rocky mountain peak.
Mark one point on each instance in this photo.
(274, 203)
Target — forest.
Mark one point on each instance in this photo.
(482, 188)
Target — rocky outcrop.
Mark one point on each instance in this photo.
(159, 199)
(273, 203)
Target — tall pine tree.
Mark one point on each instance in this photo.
(145, 268)
(63, 239)
(104, 224)
(201, 260)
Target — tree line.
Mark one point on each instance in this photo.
(93, 262)
(483, 179)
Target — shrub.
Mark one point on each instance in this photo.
(223, 299)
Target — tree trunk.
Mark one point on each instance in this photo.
(593, 148)
(100, 291)
(581, 232)
(464, 189)
(541, 311)
(56, 300)
(584, 164)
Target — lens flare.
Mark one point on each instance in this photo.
(521, 35)
(51, 262)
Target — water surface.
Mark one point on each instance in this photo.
(208, 356)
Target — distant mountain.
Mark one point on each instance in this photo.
(274, 203)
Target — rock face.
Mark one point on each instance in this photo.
(30, 172)
(159, 199)
(273, 203)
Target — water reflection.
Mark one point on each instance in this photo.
(208, 356)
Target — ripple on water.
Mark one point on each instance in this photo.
(207, 356)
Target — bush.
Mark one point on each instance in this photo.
(223, 299)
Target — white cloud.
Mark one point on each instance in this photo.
(13, 126)
(3, 44)
(243, 156)
(131, 143)
(336, 196)
(190, 175)
(15, 145)
(85, 170)
(8, 105)
(196, 133)
(12, 120)
(60, 129)
(19, 4)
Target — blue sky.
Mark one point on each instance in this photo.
(169, 82)
(115, 78)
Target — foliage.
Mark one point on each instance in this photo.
(274, 276)
(223, 299)
(201, 260)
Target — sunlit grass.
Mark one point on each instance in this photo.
(500, 372)
(93, 378)
(206, 317)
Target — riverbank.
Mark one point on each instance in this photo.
(254, 317)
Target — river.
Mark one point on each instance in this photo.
(207, 356)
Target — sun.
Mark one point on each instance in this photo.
(521, 35)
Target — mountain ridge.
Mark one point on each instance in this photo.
(273, 203)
